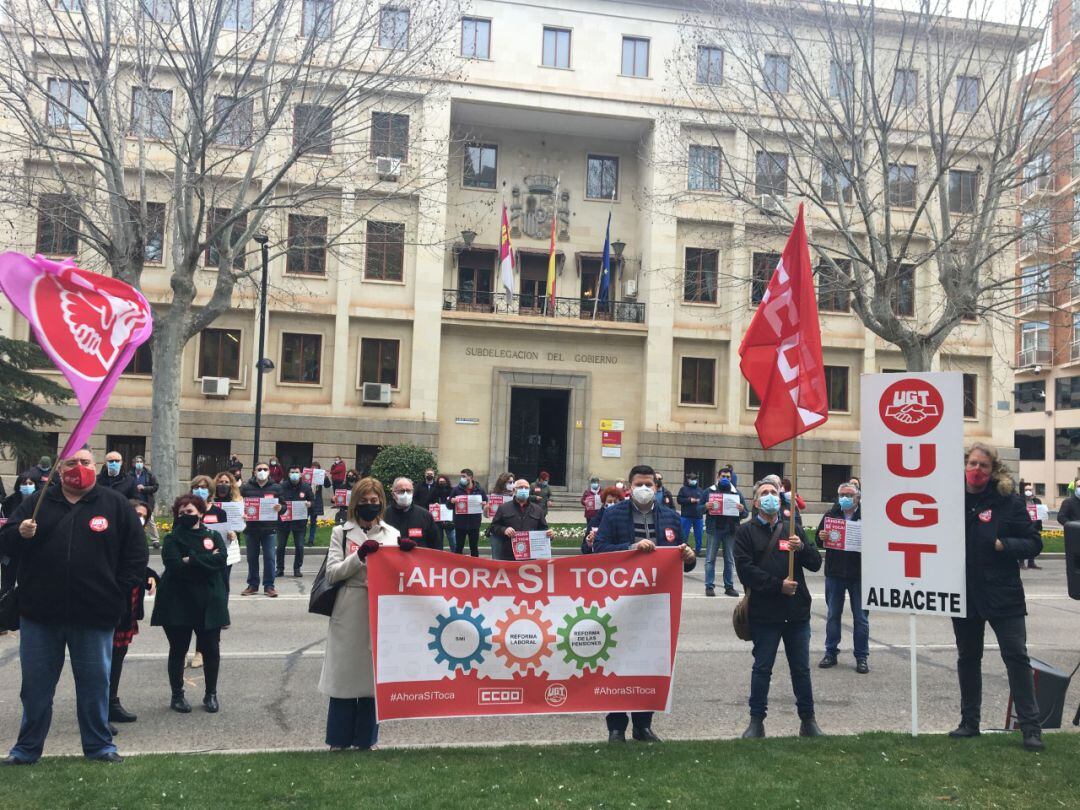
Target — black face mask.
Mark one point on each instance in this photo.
(187, 521)
(429, 478)
(223, 490)
(367, 512)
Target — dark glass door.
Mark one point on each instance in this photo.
(539, 420)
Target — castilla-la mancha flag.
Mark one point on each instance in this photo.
(88, 324)
(781, 350)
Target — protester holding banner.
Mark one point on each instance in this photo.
(441, 493)
(779, 607)
(467, 500)
(610, 497)
(999, 535)
(315, 511)
(227, 490)
(592, 500)
(691, 500)
(520, 514)
(409, 519)
(347, 675)
(293, 490)
(261, 533)
(720, 528)
(837, 534)
(1033, 505)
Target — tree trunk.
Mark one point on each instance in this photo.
(167, 350)
(917, 355)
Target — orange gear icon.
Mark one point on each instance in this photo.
(545, 636)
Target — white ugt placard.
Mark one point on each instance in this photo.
(913, 537)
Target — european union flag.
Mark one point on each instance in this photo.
(605, 266)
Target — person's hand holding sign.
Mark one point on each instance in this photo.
(509, 532)
(644, 545)
(687, 553)
(550, 534)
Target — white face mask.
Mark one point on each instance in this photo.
(261, 475)
(1028, 493)
(643, 495)
(403, 499)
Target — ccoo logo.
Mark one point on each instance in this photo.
(911, 407)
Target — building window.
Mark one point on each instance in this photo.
(1035, 286)
(238, 15)
(832, 476)
(233, 121)
(307, 245)
(971, 396)
(1031, 444)
(1067, 444)
(556, 47)
(841, 80)
(1029, 397)
(761, 271)
(294, 454)
(475, 38)
(967, 94)
(385, 253)
(215, 247)
(704, 172)
(58, 225)
(698, 381)
(836, 387)
(1035, 230)
(635, 57)
(753, 401)
(963, 189)
(763, 469)
(317, 19)
(770, 176)
(365, 457)
(704, 469)
(1066, 394)
(379, 360)
(836, 185)
(313, 129)
(209, 456)
(776, 71)
(903, 295)
(389, 135)
(153, 229)
(700, 275)
(151, 112)
(127, 446)
(301, 358)
(710, 64)
(902, 185)
(66, 5)
(1038, 174)
(905, 89)
(602, 181)
(394, 28)
(143, 360)
(834, 286)
(66, 106)
(157, 10)
(1034, 343)
(480, 165)
(474, 278)
(219, 353)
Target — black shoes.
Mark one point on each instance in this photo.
(12, 761)
(179, 703)
(616, 736)
(279, 575)
(710, 591)
(964, 731)
(730, 592)
(809, 728)
(645, 735)
(111, 757)
(298, 573)
(118, 714)
(113, 729)
(756, 729)
(861, 666)
(1033, 740)
(210, 702)
(827, 662)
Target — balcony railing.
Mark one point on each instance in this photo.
(1034, 357)
(1043, 299)
(539, 305)
(1074, 350)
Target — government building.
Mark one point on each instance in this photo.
(571, 111)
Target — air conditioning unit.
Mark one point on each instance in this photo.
(769, 204)
(630, 288)
(376, 393)
(388, 168)
(215, 386)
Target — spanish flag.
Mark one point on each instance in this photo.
(551, 255)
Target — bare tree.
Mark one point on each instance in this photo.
(909, 135)
(235, 112)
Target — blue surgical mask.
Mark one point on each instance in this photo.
(521, 493)
(201, 492)
(692, 482)
(847, 503)
(26, 490)
(138, 466)
(294, 477)
(113, 467)
(594, 487)
(769, 504)
(463, 481)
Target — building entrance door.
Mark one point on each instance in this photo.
(538, 427)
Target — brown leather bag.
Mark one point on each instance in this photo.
(740, 617)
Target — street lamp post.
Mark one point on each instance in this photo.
(263, 365)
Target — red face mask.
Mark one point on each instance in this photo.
(78, 477)
(976, 477)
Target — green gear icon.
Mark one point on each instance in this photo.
(601, 652)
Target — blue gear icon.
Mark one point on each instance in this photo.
(476, 656)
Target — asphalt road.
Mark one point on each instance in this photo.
(273, 653)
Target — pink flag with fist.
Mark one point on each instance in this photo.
(88, 324)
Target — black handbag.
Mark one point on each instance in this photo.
(323, 594)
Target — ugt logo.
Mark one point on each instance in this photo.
(911, 407)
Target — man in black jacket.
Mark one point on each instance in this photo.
(517, 515)
(779, 606)
(409, 519)
(1070, 507)
(39, 474)
(146, 483)
(843, 576)
(77, 563)
(112, 475)
(293, 490)
(425, 490)
(261, 535)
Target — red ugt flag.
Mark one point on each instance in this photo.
(781, 350)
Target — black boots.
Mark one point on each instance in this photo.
(179, 703)
(756, 729)
(210, 702)
(118, 714)
(809, 728)
(1033, 740)
(965, 730)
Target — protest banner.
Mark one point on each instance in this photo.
(715, 504)
(494, 502)
(469, 505)
(294, 511)
(1038, 511)
(318, 477)
(341, 497)
(460, 636)
(261, 509)
(532, 546)
(307, 474)
(441, 513)
(842, 535)
(234, 514)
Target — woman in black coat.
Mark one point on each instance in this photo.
(999, 535)
(24, 488)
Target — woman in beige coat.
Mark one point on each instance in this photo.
(347, 675)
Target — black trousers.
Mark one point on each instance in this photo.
(473, 533)
(298, 531)
(618, 721)
(1012, 640)
(350, 723)
(208, 642)
(118, 655)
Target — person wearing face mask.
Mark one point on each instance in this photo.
(720, 530)
(663, 495)
(541, 491)
(424, 489)
(779, 606)
(843, 576)
(39, 473)
(317, 508)
(467, 526)
(226, 490)
(191, 598)
(347, 676)
(589, 500)
(293, 489)
(691, 499)
(641, 523)
(1031, 500)
(24, 488)
(112, 475)
(609, 497)
(77, 563)
(337, 473)
(410, 520)
(146, 484)
(520, 514)
(999, 533)
(442, 492)
(277, 472)
(261, 535)
(1069, 510)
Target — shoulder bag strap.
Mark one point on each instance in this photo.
(777, 531)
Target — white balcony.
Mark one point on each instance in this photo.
(1026, 358)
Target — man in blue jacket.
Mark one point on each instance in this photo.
(640, 523)
(691, 500)
(720, 529)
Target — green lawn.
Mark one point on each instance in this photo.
(870, 770)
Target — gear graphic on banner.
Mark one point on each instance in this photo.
(523, 639)
(586, 637)
(459, 639)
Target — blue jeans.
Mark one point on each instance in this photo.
(796, 638)
(313, 525)
(726, 536)
(264, 542)
(350, 723)
(448, 535)
(835, 588)
(698, 525)
(296, 530)
(41, 652)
